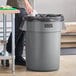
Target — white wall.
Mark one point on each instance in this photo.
(65, 7)
(3, 2)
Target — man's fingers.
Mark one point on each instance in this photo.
(29, 11)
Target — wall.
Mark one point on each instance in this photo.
(65, 7)
(3, 2)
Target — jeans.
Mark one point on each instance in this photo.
(19, 34)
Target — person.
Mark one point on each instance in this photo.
(25, 8)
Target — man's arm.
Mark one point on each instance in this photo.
(28, 7)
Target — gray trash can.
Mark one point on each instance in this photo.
(43, 38)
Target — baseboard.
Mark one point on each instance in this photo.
(68, 51)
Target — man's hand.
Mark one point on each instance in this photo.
(28, 7)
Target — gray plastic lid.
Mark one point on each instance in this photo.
(45, 17)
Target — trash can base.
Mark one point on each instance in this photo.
(39, 70)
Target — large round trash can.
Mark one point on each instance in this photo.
(43, 38)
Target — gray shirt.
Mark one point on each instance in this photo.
(18, 3)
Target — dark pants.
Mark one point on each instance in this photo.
(19, 35)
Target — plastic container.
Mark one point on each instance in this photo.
(43, 36)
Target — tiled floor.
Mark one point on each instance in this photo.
(67, 68)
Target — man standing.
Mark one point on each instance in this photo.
(25, 8)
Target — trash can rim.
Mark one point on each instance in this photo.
(45, 17)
